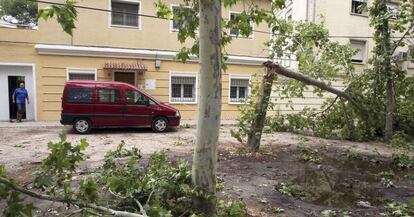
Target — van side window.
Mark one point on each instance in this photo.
(109, 95)
(135, 98)
(79, 95)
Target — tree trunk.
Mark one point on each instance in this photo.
(209, 110)
(389, 118)
(255, 133)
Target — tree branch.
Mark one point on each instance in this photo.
(402, 38)
(310, 81)
(62, 200)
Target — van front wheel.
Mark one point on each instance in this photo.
(160, 124)
(82, 126)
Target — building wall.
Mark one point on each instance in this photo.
(93, 28)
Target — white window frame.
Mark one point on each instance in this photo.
(81, 71)
(239, 76)
(364, 51)
(124, 26)
(250, 37)
(182, 74)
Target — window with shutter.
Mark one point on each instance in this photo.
(183, 88)
(239, 89)
(81, 74)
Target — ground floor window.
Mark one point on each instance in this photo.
(81, 74)
(183, 88)
(239, 89)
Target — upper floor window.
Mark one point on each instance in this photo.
(180, 15)
(183, 88)
(359, 47)
(125, 13)
(239, 89)
(393, 8)
(81, 74)
(235, 31)
(359, 7)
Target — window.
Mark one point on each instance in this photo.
(359, 7)
(135, 98)
(79, 95)
(108, 95)
(393, 8)
(186, 14)
(125, 13)
(239, 89)
(235, 31)
(183, 88)
(289, 15)
(81, 74)
(359, 47)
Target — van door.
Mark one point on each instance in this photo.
(137, 112)
(109, 107)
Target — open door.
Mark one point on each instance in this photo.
(13, 83)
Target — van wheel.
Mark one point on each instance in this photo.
(159, 124)
(82, 126)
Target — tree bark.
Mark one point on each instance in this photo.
(389, 117)
(385, 45)
(310, 81)
(262, 103)
(209, 111)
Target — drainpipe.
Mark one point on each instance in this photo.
(314, 11)
(307, 10)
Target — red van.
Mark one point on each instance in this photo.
(94, 104)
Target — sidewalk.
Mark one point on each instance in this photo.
(29, 124)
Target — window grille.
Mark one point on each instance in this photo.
(239, 89)
(183, 89)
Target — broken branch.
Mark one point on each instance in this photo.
(62, 200)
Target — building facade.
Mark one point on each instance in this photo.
(347, 23)
(113, 43)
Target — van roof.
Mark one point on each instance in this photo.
(97, 82)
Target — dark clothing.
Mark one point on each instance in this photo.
(21, 95)
(21, 108)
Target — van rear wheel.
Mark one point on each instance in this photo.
(82, 126)
(159, 124)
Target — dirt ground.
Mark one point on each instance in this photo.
(335, 182)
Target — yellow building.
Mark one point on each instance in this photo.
(122, 47)
(140, 50)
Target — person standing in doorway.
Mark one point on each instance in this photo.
(19, 97)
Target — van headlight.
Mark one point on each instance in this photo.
(177, 113)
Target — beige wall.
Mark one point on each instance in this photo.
(51, 75)
(93, 28)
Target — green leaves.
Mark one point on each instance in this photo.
(23, 10)
(66, 15)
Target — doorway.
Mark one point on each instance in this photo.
(13, 83)
(10, 76)
(126, 77)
